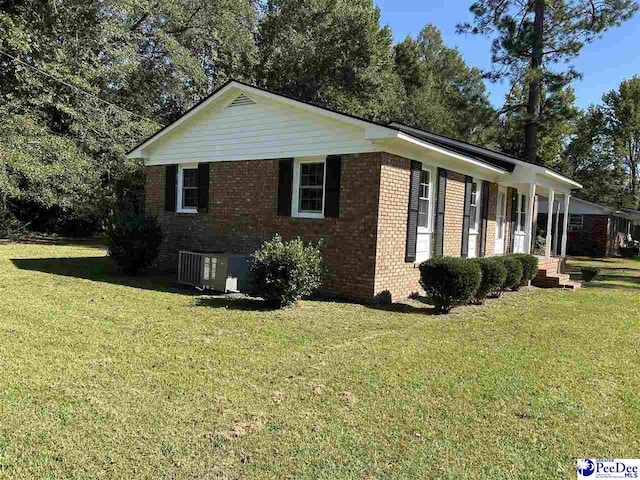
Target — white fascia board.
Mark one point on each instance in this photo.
(448, 153)
(561, 178)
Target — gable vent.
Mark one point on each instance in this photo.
(241, 100)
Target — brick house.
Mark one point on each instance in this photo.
(593, 229)
(246, 164)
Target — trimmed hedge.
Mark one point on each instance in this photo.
(450, 281)
(494, 274)
(134, 241)
(283, 272)
(529, 266)
(589, 273)
(514, 273)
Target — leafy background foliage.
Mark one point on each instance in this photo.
(62, 153)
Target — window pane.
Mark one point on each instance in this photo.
(311, 174)
(190, 177)
(472, 217)
(189, 197)
(474, 195)
(500, 227)
(310, 200)
(423, 213)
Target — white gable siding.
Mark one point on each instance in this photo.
(262, 130)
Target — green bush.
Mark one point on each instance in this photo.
(450, 281)
(494, 274)
(134, 241)
(529, 266)
(514, 273)
(284, 272)
(589, 273)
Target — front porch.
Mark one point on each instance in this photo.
(552, 250)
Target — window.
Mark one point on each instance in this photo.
(187, 189)
(308, 188)
(474, 211)
(424, 200)
(522, 212)
(575, 223)
(425, 215)
(500, 214)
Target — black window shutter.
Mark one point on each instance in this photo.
(332, 186)
(170, 184)
(468, 181)
(203, 187)
(285, 186)
(514, 218)
(440, 206)
(484, 216)
(412, 218)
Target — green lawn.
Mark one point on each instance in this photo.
(107, 377)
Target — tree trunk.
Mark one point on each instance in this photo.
(535, 79)
(633, 168)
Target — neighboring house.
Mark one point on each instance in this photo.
(593, 229)
(246, 163)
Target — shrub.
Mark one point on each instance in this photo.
(529, 266)
(494, 274)
(284, 272)
(134, 241)
(449, 281)
(589, 273)
(514, 273)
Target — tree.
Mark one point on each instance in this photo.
(591, 160)
(443, 94)
(621, 115)
(63, 150)
(556, 124)
(330, 52)
(533, 36)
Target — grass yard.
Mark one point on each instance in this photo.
(107, 377)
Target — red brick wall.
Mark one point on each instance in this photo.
(393, 274)
(364, 246)
(243, 214)
(453, 214)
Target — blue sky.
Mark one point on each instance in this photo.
(604, 63)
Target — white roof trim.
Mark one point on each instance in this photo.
(557, 176)
(428, 146)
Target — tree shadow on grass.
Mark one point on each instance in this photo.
(416, 304)
(101, 269)
(234, 302)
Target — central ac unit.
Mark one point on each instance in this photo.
(222, 272)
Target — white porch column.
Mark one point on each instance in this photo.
(550, 202)
(565, 222)
(556, 250)
(528, 229)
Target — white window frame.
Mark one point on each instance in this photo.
(521, 212)
(428, 230)
(501, 206)
(571, 227)
(474, 228)
(181, 168)
(295, 194)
